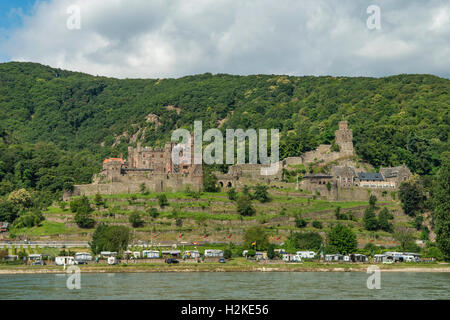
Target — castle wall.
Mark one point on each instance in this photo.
(350, 194)
(131, 183)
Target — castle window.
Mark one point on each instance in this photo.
(161, 156)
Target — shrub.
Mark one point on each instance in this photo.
(317, 224)
(153, 212)
(227, 253)
(244, 206)
(232, 194)
(372, 200)
(143, 189)
(300, 222)
(136, 220)
(261, 193)
(84, 220)
(179, 222)
(28, 220)
(98, 200)
(162, 200)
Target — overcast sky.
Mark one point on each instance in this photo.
(173, 38)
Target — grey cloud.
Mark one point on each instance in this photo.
(172, 38)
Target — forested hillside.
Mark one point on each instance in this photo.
(57, 125)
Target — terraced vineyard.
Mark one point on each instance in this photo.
(211, 217)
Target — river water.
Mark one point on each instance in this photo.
(228, 285)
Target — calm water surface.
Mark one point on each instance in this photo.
(232, 285)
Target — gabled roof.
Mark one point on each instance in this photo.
(113, 159)
(343, 170)
(372, 176)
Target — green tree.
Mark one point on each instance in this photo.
(343, 239)
(153, 212)
(82, 208)
(372, 200)
(244, 205)
(383, 220)
(300, 222)
(411, 196)
(404, 236)
(304, 241)
(8, 212)
(162, 200)
(261, 193)
(441, 207)
(98, 200)
(28, 219)
(143, 189)
(20, 198)
(271, 254)
(135, 219)
(227, 253)
(370, 219)
(232, 194)
(256, 235)
(317, 224)
(109, 238)
(83, 219)
(209, 181)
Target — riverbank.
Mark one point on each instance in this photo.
(231, 266)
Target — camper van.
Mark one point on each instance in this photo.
(64, 261)
(209, 253)
(108, 254)
(152, 254)
(192, 254)
(112, 260)
(82, 257)
(287, 257)
(306, 254)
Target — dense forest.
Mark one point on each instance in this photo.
(56, 126)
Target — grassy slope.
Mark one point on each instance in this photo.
(212, 214)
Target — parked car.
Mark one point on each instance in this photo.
(171, 260)
(222, 260)
(38, 263)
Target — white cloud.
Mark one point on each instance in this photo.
(172, 38)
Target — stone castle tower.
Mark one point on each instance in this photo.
(344, 138)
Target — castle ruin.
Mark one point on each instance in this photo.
(145, 166)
